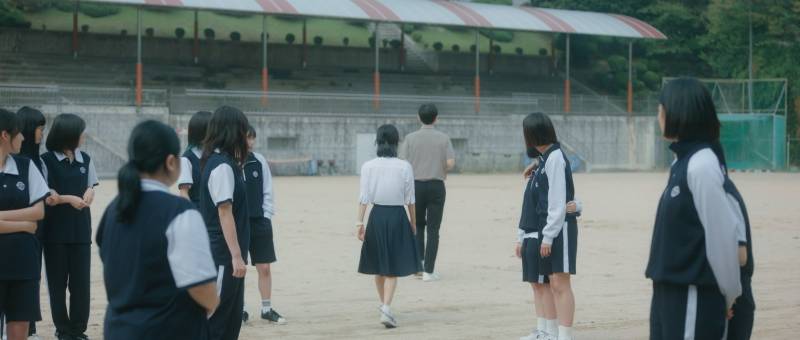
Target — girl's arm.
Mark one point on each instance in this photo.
(75, 201)
(184, 190)
(228, 223)
(185, 180)
(30, 214)
(556, 198)
(412, 216)
(206, 296)
(362, 210)
(10, 227)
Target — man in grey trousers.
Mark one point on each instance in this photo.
(431, 154)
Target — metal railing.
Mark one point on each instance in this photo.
(24, 94)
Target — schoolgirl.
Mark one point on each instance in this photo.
(158, 272)
(223, 204)
(67, 227)
(694, 261)
(190, 160)
(389, 247)
(22, 191)
(261, 203)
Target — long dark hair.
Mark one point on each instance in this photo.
(227, 131)
(690, 114)
(30, 119)
(198, 126)
(150, 144)
(386, 139)
(65, 134)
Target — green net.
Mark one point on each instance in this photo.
(754, 141)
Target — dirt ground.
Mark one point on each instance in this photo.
(481, 295)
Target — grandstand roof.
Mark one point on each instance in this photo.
(431, 12)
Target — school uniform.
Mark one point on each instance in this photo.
(261, 208)
(66, 235)
(740, 327)
(553, 187)
(190, 173)
(693, 256)
(150, 263)
(389, 247)
(528, 237)
(222, 181)
(21, 186)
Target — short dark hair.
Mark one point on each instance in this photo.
(198, 126)
(30, 119)
(227, 131)
(65, 134)
(387, 138)
(428, 113)
(9, 123)
(251, 131)
(689, 111)
(538, 130)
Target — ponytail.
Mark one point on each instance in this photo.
(129, 184)
(150, 144)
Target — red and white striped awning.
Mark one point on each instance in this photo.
(432, 12)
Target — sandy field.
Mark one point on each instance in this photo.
(481, 295)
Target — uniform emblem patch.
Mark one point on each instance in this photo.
(83, 170)
(676, 190)
(20, 186)
(255, 174)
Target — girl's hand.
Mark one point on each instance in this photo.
(53, 198)
(518, 250)
(88, 196)
(414, 228)
(77, 203)
(572, 207)
(360, 233)
(529, 170)
(729, 314)
(545, 250)
(239, 268)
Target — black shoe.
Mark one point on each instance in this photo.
(80, 337)
(245, 316)
(273, 316)
(63, 336)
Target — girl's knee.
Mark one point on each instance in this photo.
(560, 283)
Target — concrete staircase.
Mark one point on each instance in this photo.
(417, 58)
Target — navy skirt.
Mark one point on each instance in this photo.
(389, 247)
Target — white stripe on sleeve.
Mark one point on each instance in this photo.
(37, 186)
(266, 177)
(555, 167)
(221, 183)
(719, 221)
(188, 250)
(92, 177)
(186, 172)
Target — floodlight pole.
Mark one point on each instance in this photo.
(196, 44)
(567, 99)
(305, 45)
(75, 30)
(264, 69)
(138, 57)
(477, 72)
(630, 76)
(402, 48)
(376, 102)
(750, 62)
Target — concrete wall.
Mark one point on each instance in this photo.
(224, 53)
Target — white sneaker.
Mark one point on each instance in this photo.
(430, 277)
(34, 337)
(387, 318)
(538, 335)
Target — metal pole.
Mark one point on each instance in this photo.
(477, 72)
(75, 30)
(402, 48)
(630, 76)
(139, 57)
(305, 45)
(264, 69)
(377, 77)
(196, 46)
(750, 62)
(567, 103)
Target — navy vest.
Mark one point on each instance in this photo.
(528, 220)
(541, 186)
(19, 252)
(678, 249)
(219, 249)
(143, 301)
(254, 177)
(63, 223)
(194, 191)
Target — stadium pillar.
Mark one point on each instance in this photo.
(196, 46)
(264, 73)
(138, 57)
(477, 73)
(305, 45)
(630, 76)
(75, 30)
(567, 90)
(402, 48)
(376, 101)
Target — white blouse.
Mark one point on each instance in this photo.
(387, 181)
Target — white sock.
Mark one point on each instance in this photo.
(386, 309)
(266, 305)
(541, 324)
(552, 327)
(564, 333)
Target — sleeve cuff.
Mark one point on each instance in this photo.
(743, 243)
(199, 283)
(40, 199)
(184, 184)
(547, 240)
(230, 200)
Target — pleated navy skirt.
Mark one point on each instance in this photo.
(390, 247)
